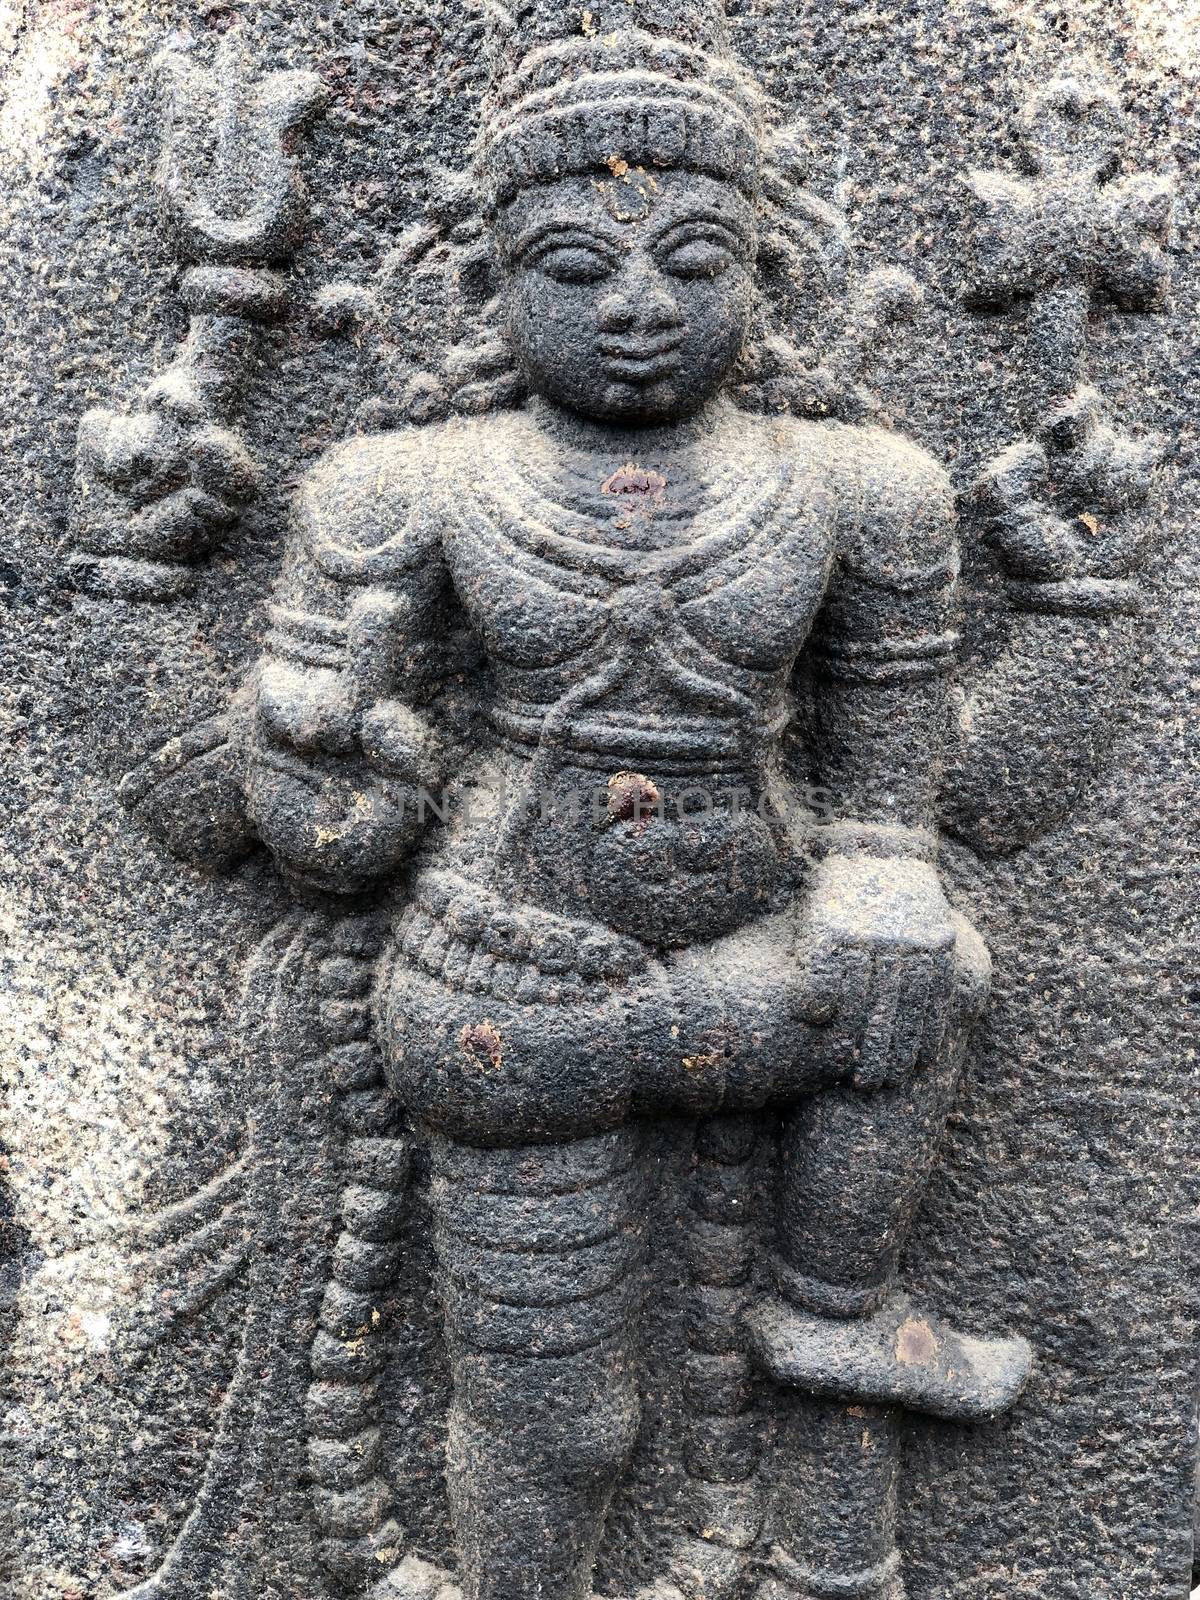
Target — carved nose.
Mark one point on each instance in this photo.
(644, 304)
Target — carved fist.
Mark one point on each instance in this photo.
(161, 484)
(335, 790)
(1082, 465)
(881, 945)
(332, 829)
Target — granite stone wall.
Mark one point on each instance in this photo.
(1064, 1204)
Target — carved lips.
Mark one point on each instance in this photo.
(641, 361)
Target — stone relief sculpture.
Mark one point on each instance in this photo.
(604, 731)
(1059, 503)
(158, 488)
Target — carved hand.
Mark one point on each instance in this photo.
(334, 787)
(880, 948)
(169, 477)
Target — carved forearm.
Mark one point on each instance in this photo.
(1028, 734)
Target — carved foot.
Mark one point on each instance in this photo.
(700, 1569)
(710, 1562)
(415, 1579)
(902, 1356)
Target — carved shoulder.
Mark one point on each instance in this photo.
(899, 528)
(363, 580)
(367, 512)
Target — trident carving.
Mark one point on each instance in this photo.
(159, 487)
(228, 171)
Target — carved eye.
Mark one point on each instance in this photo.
(574, 264)
(698, 258)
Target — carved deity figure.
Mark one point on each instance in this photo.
(602, 731)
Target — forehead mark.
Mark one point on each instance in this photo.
(629, 196)
(625, 201)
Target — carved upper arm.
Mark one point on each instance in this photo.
(365, 516)
(890, 608)
(365, 556)
(355, 615)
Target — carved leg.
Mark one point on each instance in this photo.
(836, 1504)
(853, 1169)
(540, 1251)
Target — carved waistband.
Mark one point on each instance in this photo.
(474, 938)
(710, 746)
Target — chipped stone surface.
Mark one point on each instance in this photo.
(1062, 1206)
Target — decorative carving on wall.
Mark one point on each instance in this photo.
(1062, 506)
(1053, 242)
(717, 603)
(159, 487)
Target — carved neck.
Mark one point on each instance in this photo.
(601, 438)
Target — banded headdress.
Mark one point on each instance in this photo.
(651, 83)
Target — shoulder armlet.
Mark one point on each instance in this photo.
(366, 512)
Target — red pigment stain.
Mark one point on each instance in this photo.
(640, 482)
(482, 1042)
(632, 798)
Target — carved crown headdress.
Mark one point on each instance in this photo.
(649, 82)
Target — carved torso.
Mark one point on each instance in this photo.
(625, 789)
(644, 616)
(640, 618)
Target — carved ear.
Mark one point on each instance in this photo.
(471, 262)
(478, 274)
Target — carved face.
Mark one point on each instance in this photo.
(631, 293)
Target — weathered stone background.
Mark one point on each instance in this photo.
(1066, 1205)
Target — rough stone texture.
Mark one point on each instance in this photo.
(1064, 1205)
